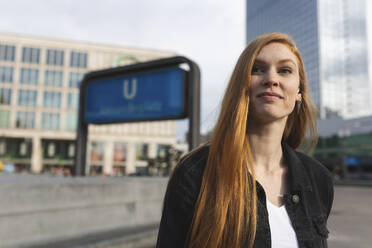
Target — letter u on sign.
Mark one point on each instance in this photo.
(130, 91)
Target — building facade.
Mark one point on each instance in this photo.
(344, 128)
(332, 37)
(39, 92)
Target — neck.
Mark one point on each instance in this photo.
(265, 143)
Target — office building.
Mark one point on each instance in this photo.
(332, 37)
(344, 128)
(39, 92)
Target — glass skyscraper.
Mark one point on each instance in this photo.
(332, 38)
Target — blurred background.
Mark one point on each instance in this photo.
(46, 47)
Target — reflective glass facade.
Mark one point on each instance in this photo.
(331, 36)
(344, 61)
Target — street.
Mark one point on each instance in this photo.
(350, 223)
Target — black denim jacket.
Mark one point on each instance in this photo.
(308, 203)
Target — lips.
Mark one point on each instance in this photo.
(269, 94)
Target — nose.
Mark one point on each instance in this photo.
(271, 78)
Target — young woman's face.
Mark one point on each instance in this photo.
(275, 83)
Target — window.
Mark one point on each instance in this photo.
(29, 76)
(25, 119)
(7, 53)
(31, 55)
(27, 98)
(2, 147)
(52, 99)
(5, 96)
(120, 152)
(73, 100)
(53, 78)
(51, 149)
(74, 79)
(71, 150)
(23, 148)
(142, 151)
(6, 74)
(54, 57)
(78, 59)
(162, 152)
(71, 122)
(50, 121)
(4, 118)
(96, 152)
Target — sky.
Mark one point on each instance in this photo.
(209, 32)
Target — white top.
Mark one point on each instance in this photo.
(282, 232)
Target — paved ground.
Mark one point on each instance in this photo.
(350, 223)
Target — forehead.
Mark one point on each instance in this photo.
(276, 52)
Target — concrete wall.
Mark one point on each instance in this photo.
(40, 209)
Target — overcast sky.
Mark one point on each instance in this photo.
(210, 32)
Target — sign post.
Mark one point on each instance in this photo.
(155, 90)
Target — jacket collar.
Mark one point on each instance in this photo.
(298, 175)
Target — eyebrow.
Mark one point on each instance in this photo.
(259, 61)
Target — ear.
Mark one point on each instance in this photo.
(299, 97)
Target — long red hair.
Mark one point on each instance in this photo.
(225, 211)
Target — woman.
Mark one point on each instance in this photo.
(248, 187)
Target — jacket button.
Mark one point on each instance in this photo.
(295, 199)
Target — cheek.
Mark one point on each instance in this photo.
(254, 84)
(252, 90)
(292, 95)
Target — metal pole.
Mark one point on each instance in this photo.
(80, 151)
(194, 106)
(81, 139)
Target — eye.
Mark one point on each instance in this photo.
(257, 69)
(285, 70)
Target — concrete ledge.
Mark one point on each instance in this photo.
(42, 209)
(139, 237)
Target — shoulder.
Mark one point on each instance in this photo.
(305, 168)
(186, 178)
(194, 162)
(317, 169)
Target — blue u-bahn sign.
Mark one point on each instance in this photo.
(162, 89)
(352, 161)
(153, 95)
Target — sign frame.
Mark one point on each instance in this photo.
(191, 87)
